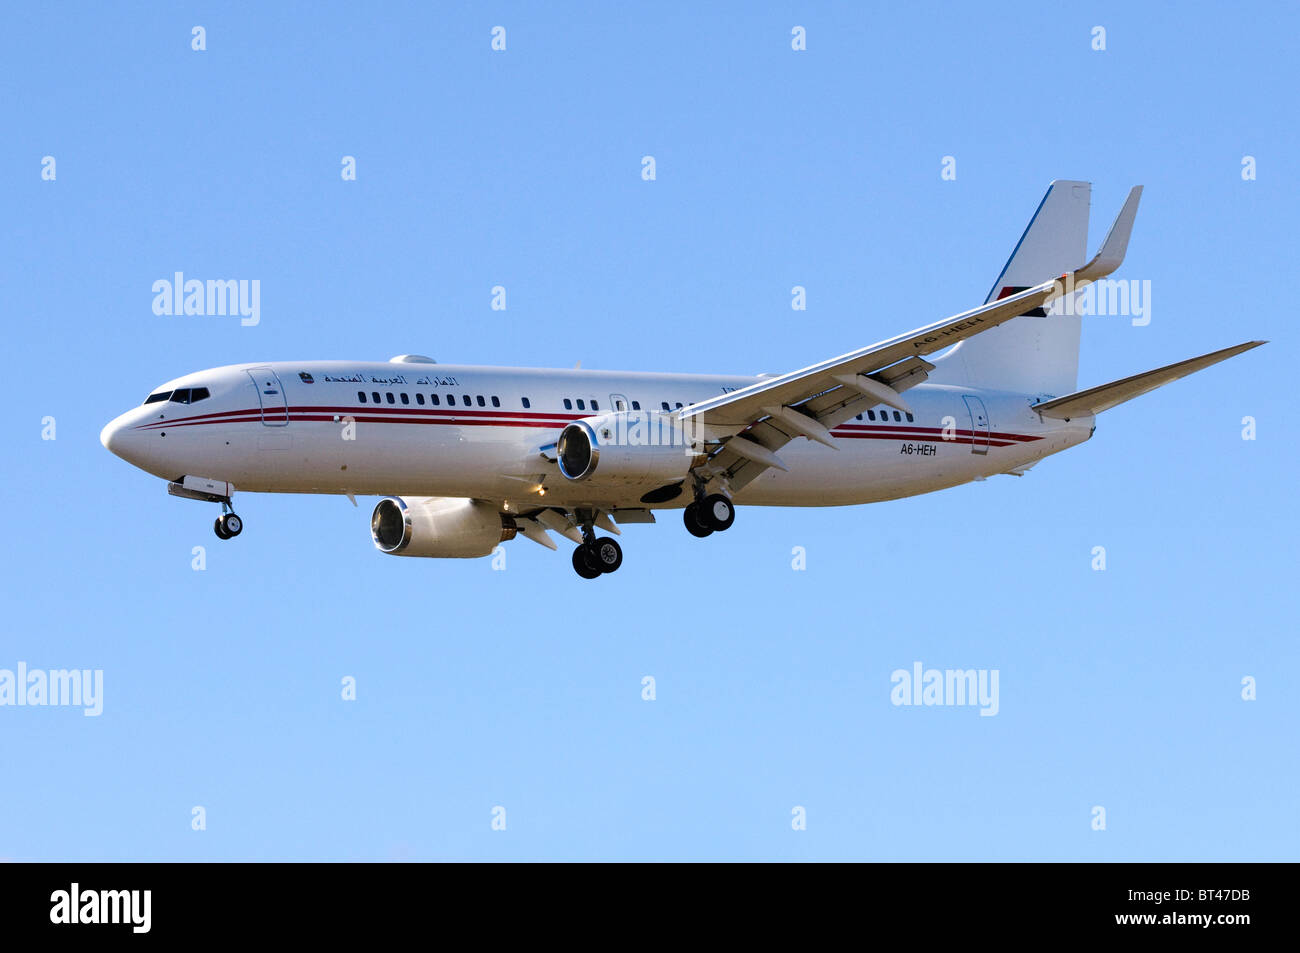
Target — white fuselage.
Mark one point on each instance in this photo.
(424, 429)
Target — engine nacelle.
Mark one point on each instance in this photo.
(635, 448)
(438, 526)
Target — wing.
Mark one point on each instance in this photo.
(746, 427)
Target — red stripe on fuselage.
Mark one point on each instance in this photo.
(236, 416)
(470, 417)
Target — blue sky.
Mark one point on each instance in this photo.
(522, 689)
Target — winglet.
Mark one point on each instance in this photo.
(1111, 255)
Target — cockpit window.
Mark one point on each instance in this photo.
(185, 395)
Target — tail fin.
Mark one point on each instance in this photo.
(1029, 354)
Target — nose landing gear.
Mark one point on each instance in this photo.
(227, 525)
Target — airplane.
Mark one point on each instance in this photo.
(468, 457)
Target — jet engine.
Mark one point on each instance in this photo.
(438, 526)
(627, 449)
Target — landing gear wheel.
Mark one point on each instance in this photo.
(716, 512)
(216, 528)
(691, 516)
(231, 524)
(606, 554)
(580, 565)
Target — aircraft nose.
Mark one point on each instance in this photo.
(145, 449)
(111, 435)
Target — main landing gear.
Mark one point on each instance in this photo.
(227, 525)
(708, 515)
(596, 556)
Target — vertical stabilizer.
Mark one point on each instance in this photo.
(1033, 354)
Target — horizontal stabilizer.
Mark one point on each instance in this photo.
(1096, 399)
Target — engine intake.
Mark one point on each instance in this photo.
(440, 526)
(626, 449)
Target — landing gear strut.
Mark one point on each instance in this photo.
(596, 556)
(709, 514)
(227, 525)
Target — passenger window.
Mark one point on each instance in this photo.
(527, 403)
(582, 405)
(496, 401)
(389, 396)
(595, 406)
(679, 405)
(664, 405)
(871, 415)
(419, 399)
(909, 419)
(465, 399)
(568, 404)
(361, 396)
(435, 399)
(897, 416)
(636, 405)
(481, 401)
(375, 395)
(859, 416)
(405, 399)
